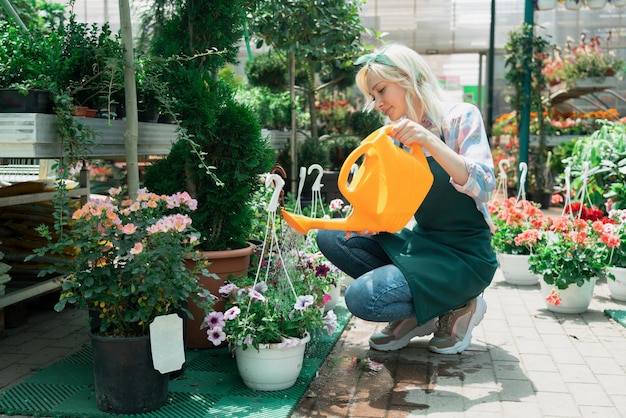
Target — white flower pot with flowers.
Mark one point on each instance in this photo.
(277, 308)
(616, 228)
(517, 225)
(570, 261)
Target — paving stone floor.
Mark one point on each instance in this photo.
(524, 362)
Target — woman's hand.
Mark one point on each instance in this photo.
(409, 132)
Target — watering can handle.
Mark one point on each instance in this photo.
(365, 146)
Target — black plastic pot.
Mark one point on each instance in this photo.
(36, 101)
(124, 377)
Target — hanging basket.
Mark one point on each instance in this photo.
(515, 269)
(617, 287)
(271, 367)
(573, 300)
(573, 4)
(545, 4)
(595, 4)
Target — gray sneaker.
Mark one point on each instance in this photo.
(454, 333)
(398, 334)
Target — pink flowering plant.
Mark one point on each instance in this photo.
(339, 209)
(268, 312)
(125, 260)
(518, 226)
(585, 60)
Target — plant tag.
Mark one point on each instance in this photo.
(166, 342)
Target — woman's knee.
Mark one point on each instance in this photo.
(358, 300)
(326, 240)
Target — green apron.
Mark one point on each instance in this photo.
(447, 257)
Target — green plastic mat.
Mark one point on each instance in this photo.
(617, 315)
(209, 387)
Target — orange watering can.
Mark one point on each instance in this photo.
(385, 192)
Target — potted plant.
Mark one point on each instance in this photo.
(570, 260)
(25, 63)
(524, 54)
(517, 225)
(125, 262)
(571, 64)
(616, 244)
(596, 166)
(70, 64)
(228, 137)
(272, 315)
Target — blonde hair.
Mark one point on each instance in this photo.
(399, 64)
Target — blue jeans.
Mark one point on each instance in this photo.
(380, 292)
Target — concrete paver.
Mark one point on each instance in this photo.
(524, 361)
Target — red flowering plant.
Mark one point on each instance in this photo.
(615, 227)
(518, 226)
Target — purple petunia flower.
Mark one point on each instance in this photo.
(248, 341)
(256, 296)
(303, 302)
(228, 289)
(215, 320)
(321, 270)
(232, 313)
(216, 335)
(261, 287)
(330, 322)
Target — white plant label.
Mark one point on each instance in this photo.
(166, 342)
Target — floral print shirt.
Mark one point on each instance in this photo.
(463, 131)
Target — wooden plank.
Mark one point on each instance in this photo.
(562, 91)
(29, 292)
(38, 197)
(33, 135)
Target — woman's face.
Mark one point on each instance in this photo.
(389, 97)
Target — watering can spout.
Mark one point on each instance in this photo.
(385, 192)
(303, 224)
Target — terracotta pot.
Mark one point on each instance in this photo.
(80, 111)
(223, 264)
